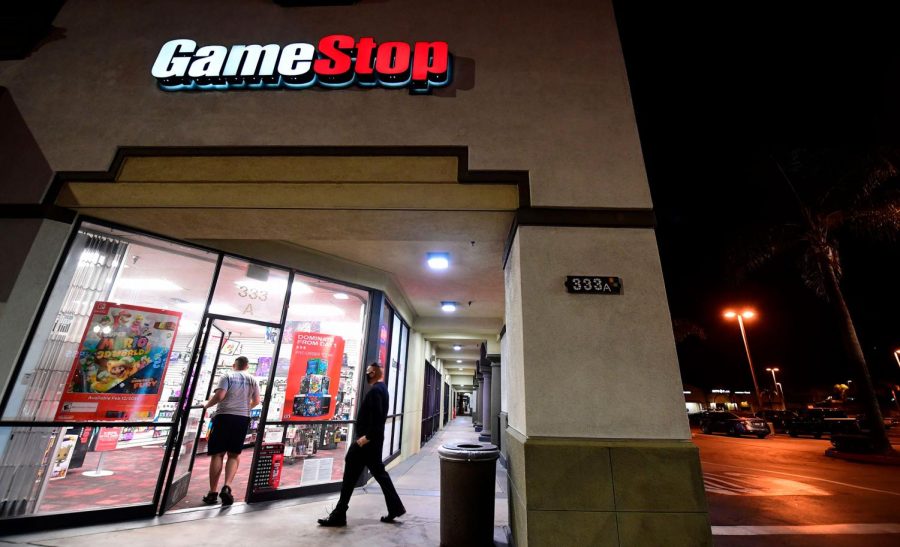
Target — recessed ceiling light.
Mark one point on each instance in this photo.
(438, 261)
(448, 306)
(341, 296)
(459, 369)
(459, 360)
(457, 347)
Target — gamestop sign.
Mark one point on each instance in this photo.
(337, 61)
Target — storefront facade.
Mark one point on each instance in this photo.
(524, 148)
(131, 342)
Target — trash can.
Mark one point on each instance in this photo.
(468, 479)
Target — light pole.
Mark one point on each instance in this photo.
(777, 385)
(746, 314)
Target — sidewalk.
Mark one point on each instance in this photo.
(293, 522)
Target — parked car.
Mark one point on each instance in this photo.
(779, 418)
(864, 424)
(733, 424)
(819, 421)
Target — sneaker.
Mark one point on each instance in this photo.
(211, 498)
(227, 497)
(335, 518)
(391, 516)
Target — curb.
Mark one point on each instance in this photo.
(877, 459)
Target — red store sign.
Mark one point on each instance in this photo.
(338, 61)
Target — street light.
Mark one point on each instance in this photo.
(746, 314)
(777, 385)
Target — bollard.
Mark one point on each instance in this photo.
(468, 479)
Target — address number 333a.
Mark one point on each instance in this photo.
(593, 284)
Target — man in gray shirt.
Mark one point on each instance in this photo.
(236, 394)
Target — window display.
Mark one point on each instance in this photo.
(316, 380)
(130, 344)
(107, 348)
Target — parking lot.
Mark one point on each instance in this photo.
(785, 491)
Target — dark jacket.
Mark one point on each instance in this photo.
(373, 413)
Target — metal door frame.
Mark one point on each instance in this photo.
(184, 405)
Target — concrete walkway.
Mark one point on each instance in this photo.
(293, 522)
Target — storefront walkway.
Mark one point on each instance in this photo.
(293, 522)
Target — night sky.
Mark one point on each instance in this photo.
(719, 92)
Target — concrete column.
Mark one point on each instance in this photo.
(496, 379)
(486, 421)
(587, 465)
(476, 403)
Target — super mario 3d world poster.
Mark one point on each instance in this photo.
(121, 362)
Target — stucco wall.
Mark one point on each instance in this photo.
(600, 366)
(544, 94)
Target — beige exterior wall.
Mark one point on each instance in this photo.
(592, 363)
(544, 94)
(19, 313)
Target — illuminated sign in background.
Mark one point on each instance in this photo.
(339, 61)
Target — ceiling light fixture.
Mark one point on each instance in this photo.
(448, 306)
(459, 360)
(438, 261)
(457, 347)
(340, 296)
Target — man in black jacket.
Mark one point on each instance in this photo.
(366, 452)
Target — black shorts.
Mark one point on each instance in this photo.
(228, 434)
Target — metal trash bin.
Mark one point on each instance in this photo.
(468, 479)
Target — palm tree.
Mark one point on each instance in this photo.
(837, 193)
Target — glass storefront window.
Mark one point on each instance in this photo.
(67, 469)
(112, 344)
(313, 453)
(249, 291)
(401, 377)
(393, 342)
(388, 431)
(317, 378)
(154, 288)
(398, 426)
(119, 340)
(393, 365)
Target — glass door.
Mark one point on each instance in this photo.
(226, 339)
(197, 382)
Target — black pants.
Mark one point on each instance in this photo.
(359, 458)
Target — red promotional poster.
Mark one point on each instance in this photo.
(382, 344)
(121, 362)
(314, 377)
(107, 439)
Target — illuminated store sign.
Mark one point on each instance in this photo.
(338, 61)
